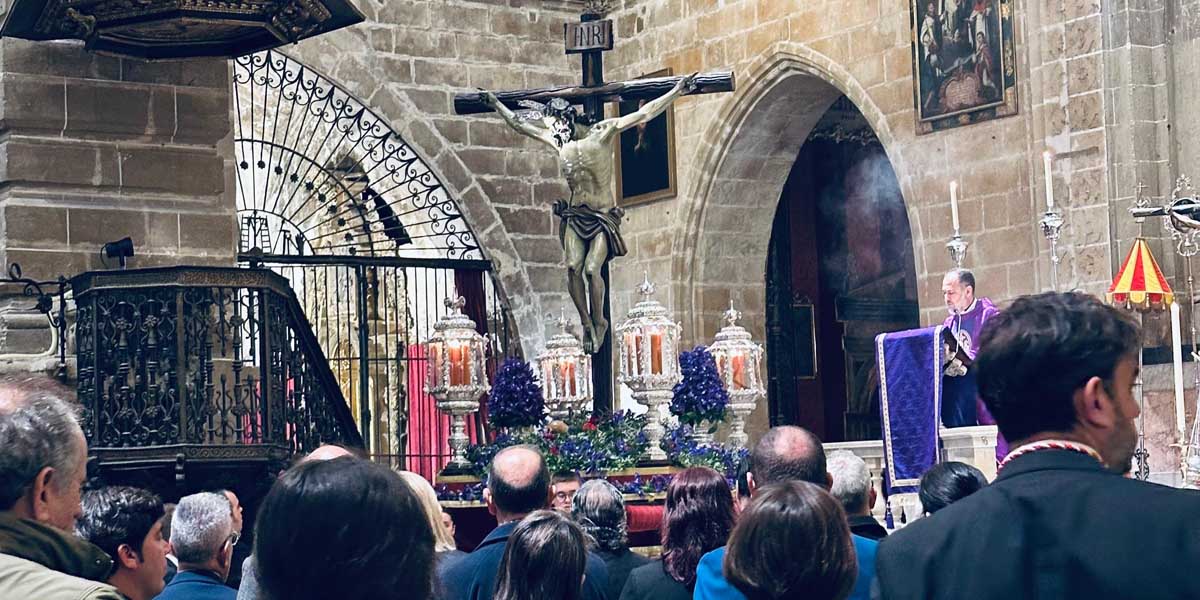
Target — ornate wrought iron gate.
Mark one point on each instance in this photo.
(332, 198)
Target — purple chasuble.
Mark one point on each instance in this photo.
(966, 328)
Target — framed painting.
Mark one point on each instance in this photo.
(646, 155)
(964, 67)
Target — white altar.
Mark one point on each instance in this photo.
(972, 445)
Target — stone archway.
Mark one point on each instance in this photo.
(751, 147)
(750, 150)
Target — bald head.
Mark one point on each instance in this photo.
(789, 453)
(519, 481)
(327, 452)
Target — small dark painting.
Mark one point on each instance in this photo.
(646, 155)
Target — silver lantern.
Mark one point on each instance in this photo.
(456, 375)
(566, 372)
(739, 362)
(649, 361)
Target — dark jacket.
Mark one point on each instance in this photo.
(474, 577)
(651, 582)
(196, 585)
(619, 565)
(866, 526)
(38, 561)
(1054, 524)
(712, 585)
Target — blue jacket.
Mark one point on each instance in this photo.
(711, 584)
(474, 576)
(196, 585)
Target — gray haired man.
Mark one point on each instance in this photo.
(203, 536)
(852, 487)
(599, 508)
(43, 462)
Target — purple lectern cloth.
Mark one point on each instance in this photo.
(966, 329)
(910, 390)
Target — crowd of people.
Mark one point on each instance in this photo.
(1062, 519)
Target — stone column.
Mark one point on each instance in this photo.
(98, 148)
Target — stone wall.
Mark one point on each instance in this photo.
(407, 62)
(97, 148)
(791, 59)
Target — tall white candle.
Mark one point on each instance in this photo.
(1047, 166)
(1177, 363)
(954, 205)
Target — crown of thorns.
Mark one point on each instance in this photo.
(555, 108)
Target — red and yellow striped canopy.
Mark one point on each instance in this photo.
(1140, 283)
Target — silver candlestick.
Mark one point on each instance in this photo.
(1052, 224)
(958, 249)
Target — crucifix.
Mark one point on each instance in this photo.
(590, 220)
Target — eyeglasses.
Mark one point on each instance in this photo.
(234, 538)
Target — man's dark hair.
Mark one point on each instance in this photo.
(965, 277)
(789, 453)
(1034, 355)
(524, 499)
(344, 528)
(117, 515)
(565, 476)
(947, 483)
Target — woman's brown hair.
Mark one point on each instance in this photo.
(791, 542)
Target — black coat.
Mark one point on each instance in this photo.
(619, 565)
(1055, 524)
(651, 582)
(474, 576)
(866, 526)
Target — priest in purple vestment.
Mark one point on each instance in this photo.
(967, 316)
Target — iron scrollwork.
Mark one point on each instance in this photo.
(49, 299)
(326, 175)
(202, 364)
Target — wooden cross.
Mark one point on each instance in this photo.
(591, 37)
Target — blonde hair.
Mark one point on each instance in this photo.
(443, 541)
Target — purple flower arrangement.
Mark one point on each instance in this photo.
(683, 451)
(516, 398)
(700, 396)
(597, 444)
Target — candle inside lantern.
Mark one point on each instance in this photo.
(567, 368)
(656, 351)
(548, 379)
(1047, 166)
(633, 353)
(459, 369)
(954, 205)
(435, 360)
(738, 362)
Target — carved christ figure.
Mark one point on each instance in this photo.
(590, 220)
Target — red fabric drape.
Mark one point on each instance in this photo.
(429, 429)
(470, 286)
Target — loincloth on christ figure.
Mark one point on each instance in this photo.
(587, 223)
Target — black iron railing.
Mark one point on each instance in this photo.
(214, 362)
